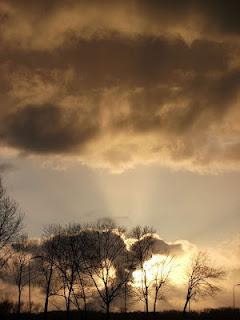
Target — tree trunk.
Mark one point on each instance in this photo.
(19, 289)
(76, 300)
(146, 303)
(29, 287)
(68, 306)
(83, 294)
(85, 305)
(19, 300)
(68, 310)
(47, 294)
(46, 306)
(155, 301)
(146, 293)
(107, 310)
(125, 297)
(186, 304)
(69, 299)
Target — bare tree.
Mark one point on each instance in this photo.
(19, 267)
(161, 271)
(62, 259)
(203, 278)
(46, 265)
(104, 257)
(142, 251)
(58, 256)
(127, 296)
(69, 266)
(62, 267)
(10, 224)
(82, 283)
(127, 293)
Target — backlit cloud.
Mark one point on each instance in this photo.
(125, 84)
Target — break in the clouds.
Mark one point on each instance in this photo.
(114, 84)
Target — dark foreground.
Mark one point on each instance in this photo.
(212, 314)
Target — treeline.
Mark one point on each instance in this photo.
(91, 267)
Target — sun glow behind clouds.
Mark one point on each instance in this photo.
(106, 274)
(158, 267)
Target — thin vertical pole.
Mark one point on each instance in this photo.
(29, 287)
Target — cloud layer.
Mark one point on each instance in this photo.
(128, 83)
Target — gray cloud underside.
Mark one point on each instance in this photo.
(6, 167)
(116, 94)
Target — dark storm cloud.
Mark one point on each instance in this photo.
(60, 19)
(213, 16)
(5, 167)
(162, 247)
(132, 81)
(48, 128)
(144, 61)
(206, 100)
(221, 15)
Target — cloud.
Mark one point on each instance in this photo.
(96, 89)
(47, 25)
(5, 167)
(158, 246)
(47, 128)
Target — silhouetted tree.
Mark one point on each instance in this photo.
(202, 278)
(47, 265)
(104, 257)
(70, 265)
(82, 284)
(127, 296)
(142, 251)
(161, 271)
(63, 259)
(19, 267)
(10, 224)
(60, 257)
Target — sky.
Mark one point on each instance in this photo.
(128, 109)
